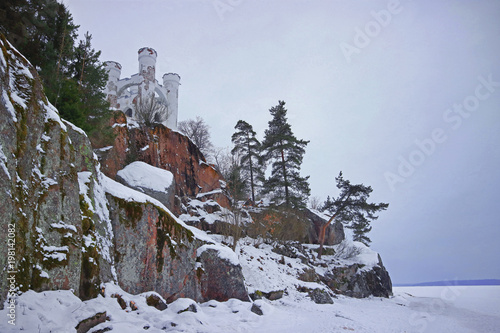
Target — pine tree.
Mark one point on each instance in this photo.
(285, 152)
(73, 78)
(248, 147)
(44, 32)
(351, 208)
(236, 183)
(91, 77)
(360, 228)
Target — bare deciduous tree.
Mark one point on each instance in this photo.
(150, 110)
(232, 227)
(198, 131)
(315, 203)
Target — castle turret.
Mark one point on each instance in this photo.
(114, 70)
(171, 82)
(147, 63)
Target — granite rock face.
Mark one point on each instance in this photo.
(39, 187)
(164, 148)
(353, 281)
(68, 227)
(153, 251)
(219, 275)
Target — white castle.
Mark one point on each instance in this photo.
(125, 94)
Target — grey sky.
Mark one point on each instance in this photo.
(363, 110)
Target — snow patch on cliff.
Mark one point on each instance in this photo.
(224, 252)
(140, 174)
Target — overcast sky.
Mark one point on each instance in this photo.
(403, 96)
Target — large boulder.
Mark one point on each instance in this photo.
(360, 274)
(156, 251)
(219, 272)
(155, 182)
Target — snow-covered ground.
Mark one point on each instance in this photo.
(453, 309)
(427, 309)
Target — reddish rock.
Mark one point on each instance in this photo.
(219, 276)
(154, 252)
(167, 149)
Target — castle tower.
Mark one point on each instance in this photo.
(171, 82)
(147, 63)
(114, 70)
(126, 94)
(147, 69)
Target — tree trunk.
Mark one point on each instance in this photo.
(321, 237)
(251, 169)
(287, 199)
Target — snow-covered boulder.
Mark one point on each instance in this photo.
(358, 272)
(155, 182)
(349, 268)
(219, 271)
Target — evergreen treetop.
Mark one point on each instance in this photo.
(248, 148)
(351, 208)
(73, 77)
(285, 153)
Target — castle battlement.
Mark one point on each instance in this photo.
(125, 93)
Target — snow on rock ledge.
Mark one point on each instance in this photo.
(224, 253)
(350, 269)
(155, 182)
(356, 253)
(143, 175)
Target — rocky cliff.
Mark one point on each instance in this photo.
(71, 227)
(163, 148)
